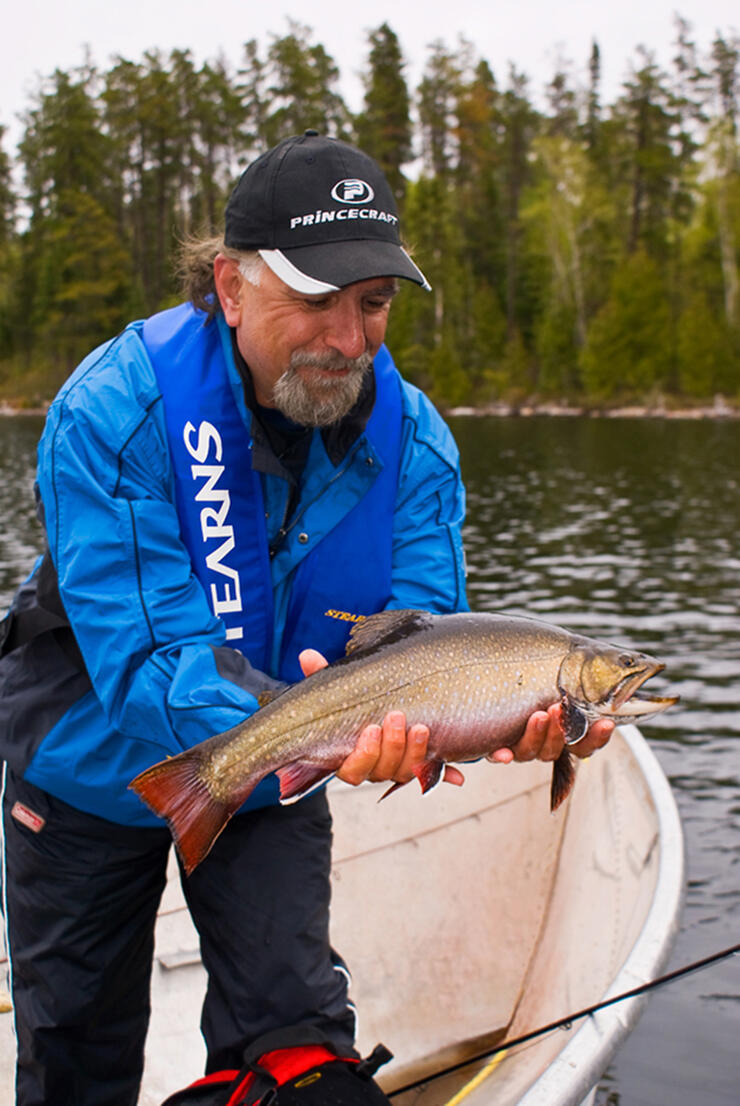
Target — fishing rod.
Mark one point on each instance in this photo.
(566, 1022)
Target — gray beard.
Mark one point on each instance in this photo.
(311, 402)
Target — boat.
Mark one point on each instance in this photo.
(469, 918)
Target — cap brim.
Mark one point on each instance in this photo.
(332, 265)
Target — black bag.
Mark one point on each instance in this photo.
(292, 1067)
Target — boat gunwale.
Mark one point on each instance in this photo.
(574, 1072)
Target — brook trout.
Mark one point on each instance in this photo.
(473, 679)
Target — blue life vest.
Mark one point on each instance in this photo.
(342, 572)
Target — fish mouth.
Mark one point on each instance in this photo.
(627, 701)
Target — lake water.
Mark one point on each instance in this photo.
(625, 529)
(629, 529)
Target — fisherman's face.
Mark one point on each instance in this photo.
(308, 355)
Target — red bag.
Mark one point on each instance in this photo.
(277, 1072)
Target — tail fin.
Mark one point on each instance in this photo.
(176, 791)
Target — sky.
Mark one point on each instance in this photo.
(41, 35)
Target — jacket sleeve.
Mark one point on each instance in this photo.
(428, 557)
(153, 649)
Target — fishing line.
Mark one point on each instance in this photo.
(566, 1022)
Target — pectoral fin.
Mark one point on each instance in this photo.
(573, 721)
(563, 775)
(428, 773)
(300, 778)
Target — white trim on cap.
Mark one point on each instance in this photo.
(292, 276)
(424, 282)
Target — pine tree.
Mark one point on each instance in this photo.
(437, 98)
(629, 350)
(519, 127)
(302, 89)
(725, 151)
(383, 128)
(7, 195)
(8, 248)
(71, 241)
(217, 137)
(592, 125)
(647, 158)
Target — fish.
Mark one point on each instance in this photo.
(473, 678)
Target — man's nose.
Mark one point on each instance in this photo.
(346, 330)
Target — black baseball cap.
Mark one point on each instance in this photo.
(321, 214)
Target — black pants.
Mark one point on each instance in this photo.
(81, 898)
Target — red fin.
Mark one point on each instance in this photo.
(563, 775)
(300, 777)
(393, 787)
(429, 773)
(175, 790)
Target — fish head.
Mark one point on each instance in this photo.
(605, 681)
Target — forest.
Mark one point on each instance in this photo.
(580, 251)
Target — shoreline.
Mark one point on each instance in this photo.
(719, 409)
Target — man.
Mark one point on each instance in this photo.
(225, 488)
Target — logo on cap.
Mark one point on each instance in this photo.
(352, 191)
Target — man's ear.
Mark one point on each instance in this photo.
(229, 282)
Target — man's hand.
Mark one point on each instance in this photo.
(387, 752)
(543, 739)
(390, 751)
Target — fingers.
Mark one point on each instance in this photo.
(390, 752)
(362, 760)
(393, 748)
(596, 738)
(311, 661)
(385, 753)
(543, 739)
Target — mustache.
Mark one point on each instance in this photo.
(330, 360)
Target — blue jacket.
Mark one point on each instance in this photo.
(160, 675)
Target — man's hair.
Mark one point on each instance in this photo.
(195, 270)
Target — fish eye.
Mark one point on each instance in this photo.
(626, 660)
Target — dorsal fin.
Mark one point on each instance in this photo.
(385, 627)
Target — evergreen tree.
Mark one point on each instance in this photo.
(7, 195)
(520, 122)
(71, 238)
(478, 176)
(725, 155)
(437, 99)
(302, 90)
(218, 138)
(63, 149)
(629, 350)
(8, 250)
(478, 192)
(592, 125)
(648, 160)
(151, 137)
(383, 128)
(251, 89)
(708, 352)
(84, 283)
